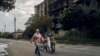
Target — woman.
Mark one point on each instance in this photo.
(37, 39)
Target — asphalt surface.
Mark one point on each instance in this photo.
(25, 48)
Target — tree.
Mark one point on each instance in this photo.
(72, 18)
(28, 32)
(42, 23)
(29, 29)
(7, 5)
(35, 22)
(93, 23)
(78, 18)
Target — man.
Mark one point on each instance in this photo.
(37, 38)
(49, 36)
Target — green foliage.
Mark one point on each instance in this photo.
(42, 23)
(94, 23)
(28, 32)
(7, 35)
(78, 18)
(35, 22)
(6, 5)
(73, 18)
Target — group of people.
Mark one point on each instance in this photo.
(49, 41)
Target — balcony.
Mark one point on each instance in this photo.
(98, 1)
(57, 6)
(52, 1)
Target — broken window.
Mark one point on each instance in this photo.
(98, 3)
(87, 2)
(78, 1)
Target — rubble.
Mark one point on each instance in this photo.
(3, 51)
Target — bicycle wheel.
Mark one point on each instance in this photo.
(42, 47)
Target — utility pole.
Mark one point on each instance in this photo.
(4, 28)
(15, 27)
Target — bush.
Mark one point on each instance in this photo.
(7, 35)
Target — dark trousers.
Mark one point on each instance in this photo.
(37, 50)
(52, 48)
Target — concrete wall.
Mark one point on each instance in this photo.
(40, 9)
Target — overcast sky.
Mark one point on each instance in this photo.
(23, 10)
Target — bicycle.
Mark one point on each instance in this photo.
(44, 46)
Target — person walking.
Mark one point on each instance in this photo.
(37, 39)
(49, 35)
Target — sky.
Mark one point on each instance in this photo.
(23, 10)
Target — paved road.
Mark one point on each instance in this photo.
(24, 48)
